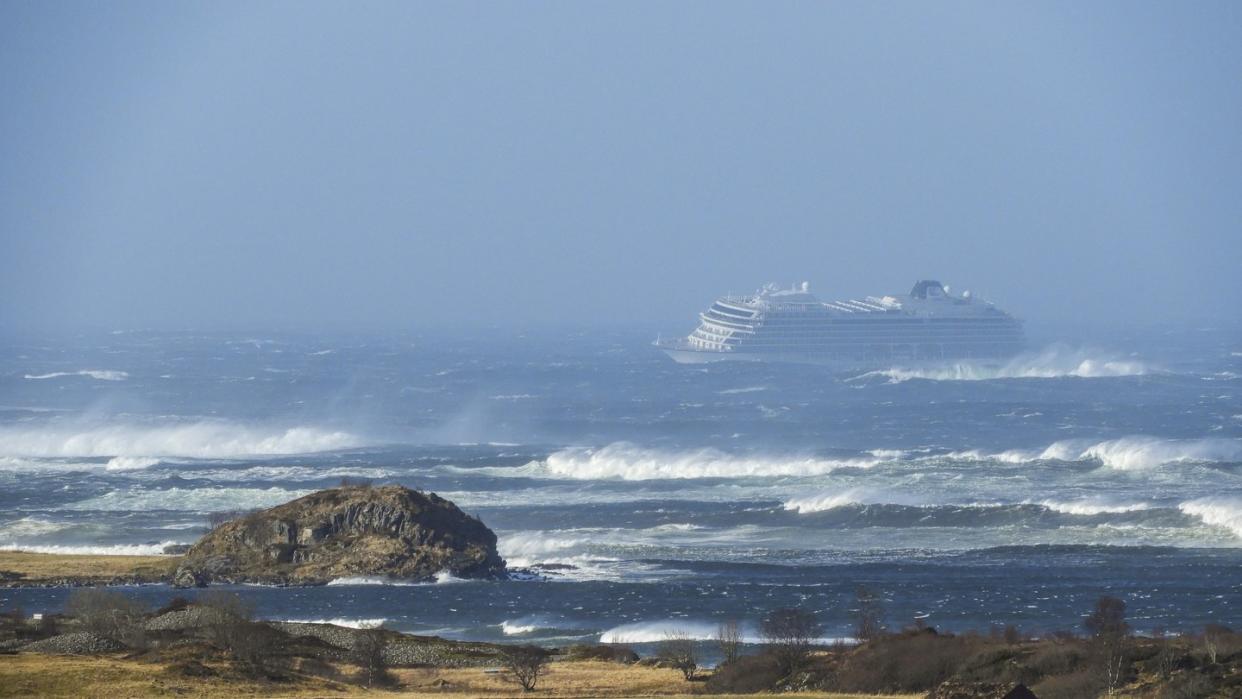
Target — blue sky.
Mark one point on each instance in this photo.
(400, 165)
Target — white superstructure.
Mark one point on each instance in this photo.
(929, 325)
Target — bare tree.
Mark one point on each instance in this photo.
(869, 614)
(1108, 619)
(1214, 637)
(1109, 630)
(729, 641)
(527, 664)
(677, 651)
(223, 616)
(369, 648)
(227, 623)
(109, 614)
(788, 633)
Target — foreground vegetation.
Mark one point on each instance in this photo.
(108, 644)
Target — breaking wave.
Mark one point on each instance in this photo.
(98, 374)
(203, 440)
(1093, 506)
(130, 463)
(1217, 511)
(831, 500)
(92, 549)
(1054, 362)
(625, 461)
(523, 549)
(339, 621)
(656, 631)
(1136, 452)
(188, 499)
(370, 580)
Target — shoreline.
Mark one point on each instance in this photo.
(20, 569)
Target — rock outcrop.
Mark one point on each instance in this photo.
(387, 531)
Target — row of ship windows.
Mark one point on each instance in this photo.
(860, 336)
(846, 342)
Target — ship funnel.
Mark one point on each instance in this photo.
(806, 286)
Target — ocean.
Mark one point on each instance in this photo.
(658, 497)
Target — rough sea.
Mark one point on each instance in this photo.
(658, 496)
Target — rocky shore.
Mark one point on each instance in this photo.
(388, 531)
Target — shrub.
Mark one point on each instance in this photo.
(869, 616)
(369, 647)
(227, 624)
(1056, 659)
(176, 604)
(109, 614)
(677, 651)
(746, 675)
(1188, 687)
(1084, 684)
(729, 641)
(526, 664)
(788, 633)
(915, 662)
(608, 653)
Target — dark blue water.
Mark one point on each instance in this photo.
(669, 497)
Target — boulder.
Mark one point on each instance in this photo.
(388, 531)
(960, 689)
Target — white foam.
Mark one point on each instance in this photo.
(130, 463)
(518, 627)
(830, 500)
(1054, 362)
(204, 440)
(445, 577)
(523, 549)
(747, 389)
(1093, 506)
(188, 499)
(91, 549)
(97, 374)
(1217, 511)
(625, 461)
(370, 580)
(340, 621)
(656, 631)
(1135, 452)
(30, 526)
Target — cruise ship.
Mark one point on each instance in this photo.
(928, 326)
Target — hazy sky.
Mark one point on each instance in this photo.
(400, 164)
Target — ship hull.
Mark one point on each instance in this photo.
(690, 356)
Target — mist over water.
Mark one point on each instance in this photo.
(652, 494)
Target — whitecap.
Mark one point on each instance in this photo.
(830, 500)
(1054, 362)
(1134, 452)
(91, 549)
(188, 499)
(206, 439)
(1093, 506)
(130, 463)
(370, 580)
(660, 630)
(625, 461)
(97, 374)
(1217, 511)
(340, 621)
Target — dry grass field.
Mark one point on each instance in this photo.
(44, 568)
(32, 675)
